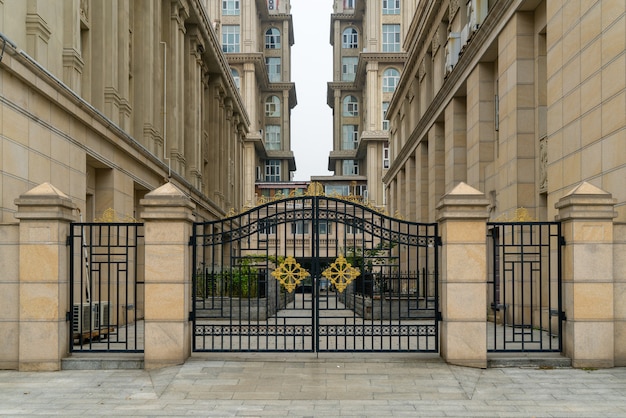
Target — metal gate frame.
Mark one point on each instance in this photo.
(525, 287)
(315, 274)
(106, 287)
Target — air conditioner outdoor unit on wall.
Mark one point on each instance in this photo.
(452, 50)
(477, 11)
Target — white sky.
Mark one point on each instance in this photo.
(312, 69)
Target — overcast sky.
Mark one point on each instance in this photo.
(312, 69)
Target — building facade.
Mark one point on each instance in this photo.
(521, 100)
(107, 100)
(256, 39)
(368, 58)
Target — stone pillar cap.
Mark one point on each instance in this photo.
(167, 202)
(586, 201)
(463, 202)
(45, 202)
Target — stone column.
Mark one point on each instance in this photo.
(587, 214)
(462, 216)
(45, 214)
(168, 217)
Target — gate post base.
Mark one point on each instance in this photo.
(168, 217)
(462, 215)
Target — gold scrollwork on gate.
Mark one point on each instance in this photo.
(290, 274)
(341, 273)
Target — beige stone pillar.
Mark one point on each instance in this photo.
(45, 214)
(587, 214)
(168, 217)
(462, 216)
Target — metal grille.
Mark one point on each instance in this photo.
(106, 287)
(245, 265)
(525, 311)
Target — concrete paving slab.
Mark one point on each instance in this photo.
(228, 385)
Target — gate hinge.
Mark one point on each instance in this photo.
(438, 241)
(68, 316)
(562, 316)
(439, 317)
(562, 240)
(192, 316)
(68, 240)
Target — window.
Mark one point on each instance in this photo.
(324, 227)
(349, 4)
(267, 227)
(350, 106)
(391, 76)
(272, 107)
(391, 38)
(350, 39)
(391, 7)
(350, 167)
(299, 227)
(349, 137)
(384, 108)
(235, 74)
(272, 38)
(273, 68)
(386, 155)
(337, 190)
(272, 137)
(272, 170)
(230, 38)
(230, 7)
(348, 68)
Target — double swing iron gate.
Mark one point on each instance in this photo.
(315, 274)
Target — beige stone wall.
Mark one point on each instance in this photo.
(619, 289)
(586, 98)
(9, 295)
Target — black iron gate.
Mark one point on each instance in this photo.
(525, 296)
(106, 302)
(318, 274)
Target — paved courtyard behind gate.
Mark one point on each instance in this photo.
(223, 385)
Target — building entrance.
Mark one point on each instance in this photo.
(315, 274)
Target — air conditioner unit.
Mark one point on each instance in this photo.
(477, 11)
(452, 50)
(83, 315)
(464, 35)
(90, 316)
(104, 317)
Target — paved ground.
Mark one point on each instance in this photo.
(305, 386)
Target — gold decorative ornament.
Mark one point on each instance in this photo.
(290, 274)
(341, 273)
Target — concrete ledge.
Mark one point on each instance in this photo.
(126, 362)
(536, 360)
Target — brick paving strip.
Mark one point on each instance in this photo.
(304, 386)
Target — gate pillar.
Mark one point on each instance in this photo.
(45, 214)
(168, 217)
(587, 214)
(462, 216)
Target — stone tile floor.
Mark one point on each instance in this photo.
(306, 385)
